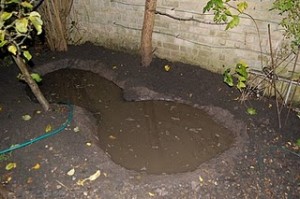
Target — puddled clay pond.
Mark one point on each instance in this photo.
(152, 136)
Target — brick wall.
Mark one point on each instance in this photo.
(117, 24)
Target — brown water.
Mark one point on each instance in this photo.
(152, 136)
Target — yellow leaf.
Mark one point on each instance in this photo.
(151, 194)
(12, 49)
(95, 175)
(48, 128)
(27, 5)
(5, 16)
(81, 182)
(1, 108)
(167, 68)
(36, 166)
(26, 117)
(10, 166)
(21, 25)
(200, 179)
(91, 178)
(71, 172)
(36, 20)
(242, 6)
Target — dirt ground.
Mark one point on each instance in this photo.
(264, 162)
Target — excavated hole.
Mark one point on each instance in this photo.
(151, 136)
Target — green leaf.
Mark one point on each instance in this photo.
(298, 142)
(241, 85)
(233, 23)
(251, 111)
(219, 3)
(12, 49)
(242, 79)
(242, 6)
(5, 16)
(26, 4)
(27, 55)
(12, 1)
(2, 35)
(241, 70)
(3, 43)
(228, 77)
(21, 25)
(36, 20)
(227, 12)
(36, 77)
(208, 6)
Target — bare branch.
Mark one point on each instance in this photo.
(187, 19)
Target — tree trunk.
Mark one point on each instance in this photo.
(54, 14)
(148, 25)
(31, 83)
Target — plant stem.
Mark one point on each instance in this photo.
(274, 79)
(31, 83)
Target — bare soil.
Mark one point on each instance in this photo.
(263, 163)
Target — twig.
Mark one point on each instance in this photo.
(273, 79)
(62, 184)
(187, 19)
(293, 71)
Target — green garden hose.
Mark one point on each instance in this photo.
(44, 136)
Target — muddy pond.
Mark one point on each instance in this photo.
(149, 136)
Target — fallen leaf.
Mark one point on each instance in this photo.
(48, 128)
(91, 178)
(10, 166)
(26, 117)
(7, 180)
(76, 129)
(112, 137)
(151, 194)
(81, 182)
(1, 108)
(95, 175)
(38, 112)
(29, 180)
(200, 179)
(167, 68)
(36, 166)
(251, 111)
(71, 172)
(88, 144)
